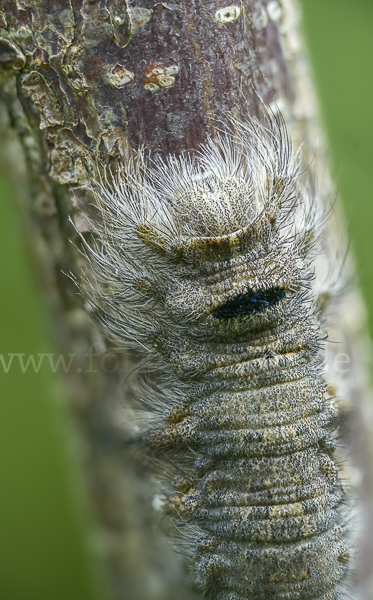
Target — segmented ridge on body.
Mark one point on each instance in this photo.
(205, 263)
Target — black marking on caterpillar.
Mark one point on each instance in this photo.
(249, 303)
(205, 263)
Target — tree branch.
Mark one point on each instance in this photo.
(91, 82)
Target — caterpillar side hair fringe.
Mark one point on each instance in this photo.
(205, 263)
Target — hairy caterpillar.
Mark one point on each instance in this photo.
(205, 263)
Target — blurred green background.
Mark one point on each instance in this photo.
(43, 552)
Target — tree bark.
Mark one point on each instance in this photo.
(89, 82)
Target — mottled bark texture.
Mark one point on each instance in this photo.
(86, 82)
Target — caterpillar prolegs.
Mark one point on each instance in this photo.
(205, 262)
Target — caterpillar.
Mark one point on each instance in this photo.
(205, 263)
